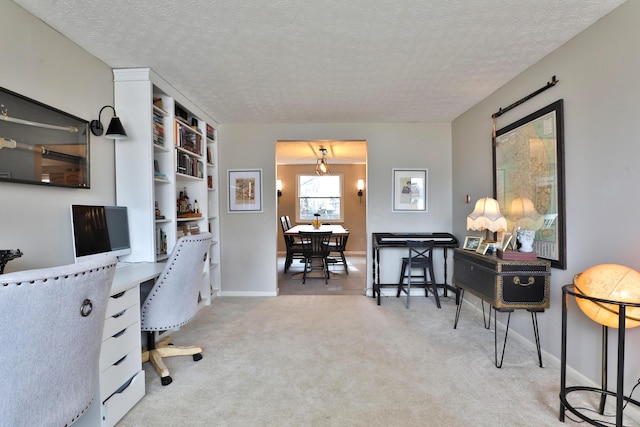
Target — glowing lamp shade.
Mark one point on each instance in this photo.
(486, 216)
(523, 214)
(611, 282)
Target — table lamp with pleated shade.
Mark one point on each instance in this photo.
(486, 216)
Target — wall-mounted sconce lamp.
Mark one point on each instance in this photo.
(115, 129)
(360, 188)
(279, 187)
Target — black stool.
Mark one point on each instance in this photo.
(420, 256)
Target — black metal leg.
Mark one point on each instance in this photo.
(444, 250)
(455, 324)
(495, 335)
(536, 334)
(487, 325)
(605, 364)
(563, 356)
(409, 287)
(433, 286)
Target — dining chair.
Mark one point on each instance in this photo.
(292, 244)
(338, 245)
(315, 247)
(421, 257)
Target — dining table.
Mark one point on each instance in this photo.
(336, 229)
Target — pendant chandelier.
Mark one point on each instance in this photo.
(322, 168)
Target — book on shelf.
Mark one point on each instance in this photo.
(161, 242)
(211, 132)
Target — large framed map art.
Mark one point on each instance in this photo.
(528, 160)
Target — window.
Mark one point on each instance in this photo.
(319, 194)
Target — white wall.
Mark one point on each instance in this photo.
(41, 64)
(249, 241)
(598, 74)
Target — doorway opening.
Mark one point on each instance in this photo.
(347, 159)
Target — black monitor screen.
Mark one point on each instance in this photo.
(100, 229)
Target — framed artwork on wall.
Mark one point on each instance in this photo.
(245, 190)
(528, 158)
(410, 190)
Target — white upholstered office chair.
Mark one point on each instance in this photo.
(173, 301)
(52, 321)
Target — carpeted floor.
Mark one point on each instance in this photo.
(340, 283)
(303, 360)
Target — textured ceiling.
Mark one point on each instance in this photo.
(325, 61)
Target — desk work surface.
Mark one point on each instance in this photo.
(336, 230)
(133, 274)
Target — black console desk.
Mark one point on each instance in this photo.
(380, 241)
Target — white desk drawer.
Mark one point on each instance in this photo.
(118, 374)
(123, 300)
(121, 402)
(119, 321)
(114, 348)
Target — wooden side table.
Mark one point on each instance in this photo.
(505, 286)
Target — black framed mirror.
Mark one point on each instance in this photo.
(41, 145)
(528, 160)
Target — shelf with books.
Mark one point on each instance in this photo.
(167, 153)
(158, 125)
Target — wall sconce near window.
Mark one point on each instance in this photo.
(115, 129)
(322, 168)
(360, 188)
(279, 187)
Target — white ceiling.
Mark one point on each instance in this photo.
(301, 61)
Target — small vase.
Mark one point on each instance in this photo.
(316, 224)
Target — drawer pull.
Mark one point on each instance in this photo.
(118, 295)
(119, 334)
(115, 316)
(531, 281)
(121, 360)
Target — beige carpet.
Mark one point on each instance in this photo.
(340, 283)
(344, 361)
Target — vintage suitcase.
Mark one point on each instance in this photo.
(501, 283)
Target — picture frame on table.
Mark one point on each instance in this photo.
(505, 241)
(471, 243)
(410, 190)
(245, 190)
(528, 158)
(483, 248)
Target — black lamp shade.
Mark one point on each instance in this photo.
(115, 129)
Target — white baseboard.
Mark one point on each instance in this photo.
(248, 294)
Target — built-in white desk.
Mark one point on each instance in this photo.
(121, 375)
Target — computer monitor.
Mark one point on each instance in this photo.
(99, 229)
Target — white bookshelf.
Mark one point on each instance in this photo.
(167, 152)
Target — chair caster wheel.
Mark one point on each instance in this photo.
(166, 380)
(197, 356)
